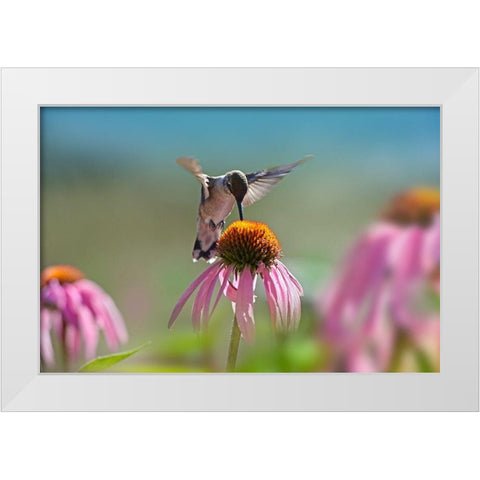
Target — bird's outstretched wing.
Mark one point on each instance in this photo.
(261, 182)
(192, 165)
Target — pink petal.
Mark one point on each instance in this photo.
(89, 331)
(46, 348)
(406, 267)
(368, 260)
(54, 294)
(287, 315)
(72, 305)
(117, 319)
(372, 264)
(294, 309)
(358, 361)
(188, 292)
(230, 289)
(223, 276)
(344, 286)
(431, 247)
(57, 323)
(376, 310)
(244, 306)
(72, 341)
(201, 304)
(104, 304)
(287, 274)
(94, 298)
(424, 328)
(282, 297)
(271, 295)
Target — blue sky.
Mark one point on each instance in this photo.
(388, 138)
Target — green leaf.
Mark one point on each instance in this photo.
(102, 363)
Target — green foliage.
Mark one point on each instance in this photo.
(424, 362)
(302, 355)
(107, 361)
(163, 368)
(435, 300)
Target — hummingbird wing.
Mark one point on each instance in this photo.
(261, 182)
(192, 165)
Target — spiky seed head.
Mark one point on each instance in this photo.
(62, 273)
(418, 206)
(247, 244)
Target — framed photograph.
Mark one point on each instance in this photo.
(317, 206)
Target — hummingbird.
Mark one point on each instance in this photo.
(219, 195)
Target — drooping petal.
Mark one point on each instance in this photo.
(46, 348)
(283, 300)
(202, 300)
(270, 294)
(431, 247)
(117, 319)
(93, 297)
(287, 316)
(109, 317)
(340, 293)
(57, 323)
(72, 341)
(288, 275)
(372, 264)
(368, 259)
(295, 304)
(244, 306)
(376, 309)
(223, 277)
(230, 288)
(53, 294)
(89, 332)
(72, 304)
(372, 351)
(294, 310)
(359, 361)
(377, 331)
(188, 292)
(407, 268)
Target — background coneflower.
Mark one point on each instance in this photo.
(373, 304)
(75, 309)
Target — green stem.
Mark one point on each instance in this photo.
(233, 347)
(401, 343)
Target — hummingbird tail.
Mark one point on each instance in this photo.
(209, 254)
(205, 245)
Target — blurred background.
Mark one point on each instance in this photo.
(116, 205)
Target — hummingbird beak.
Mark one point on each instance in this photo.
(240, 209)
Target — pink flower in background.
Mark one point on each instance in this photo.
(378, 290)
(245, 250)
(76, 309)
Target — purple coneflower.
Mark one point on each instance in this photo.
(76, 308)
(246, 249)
(376, 296)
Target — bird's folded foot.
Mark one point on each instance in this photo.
(218, 226)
